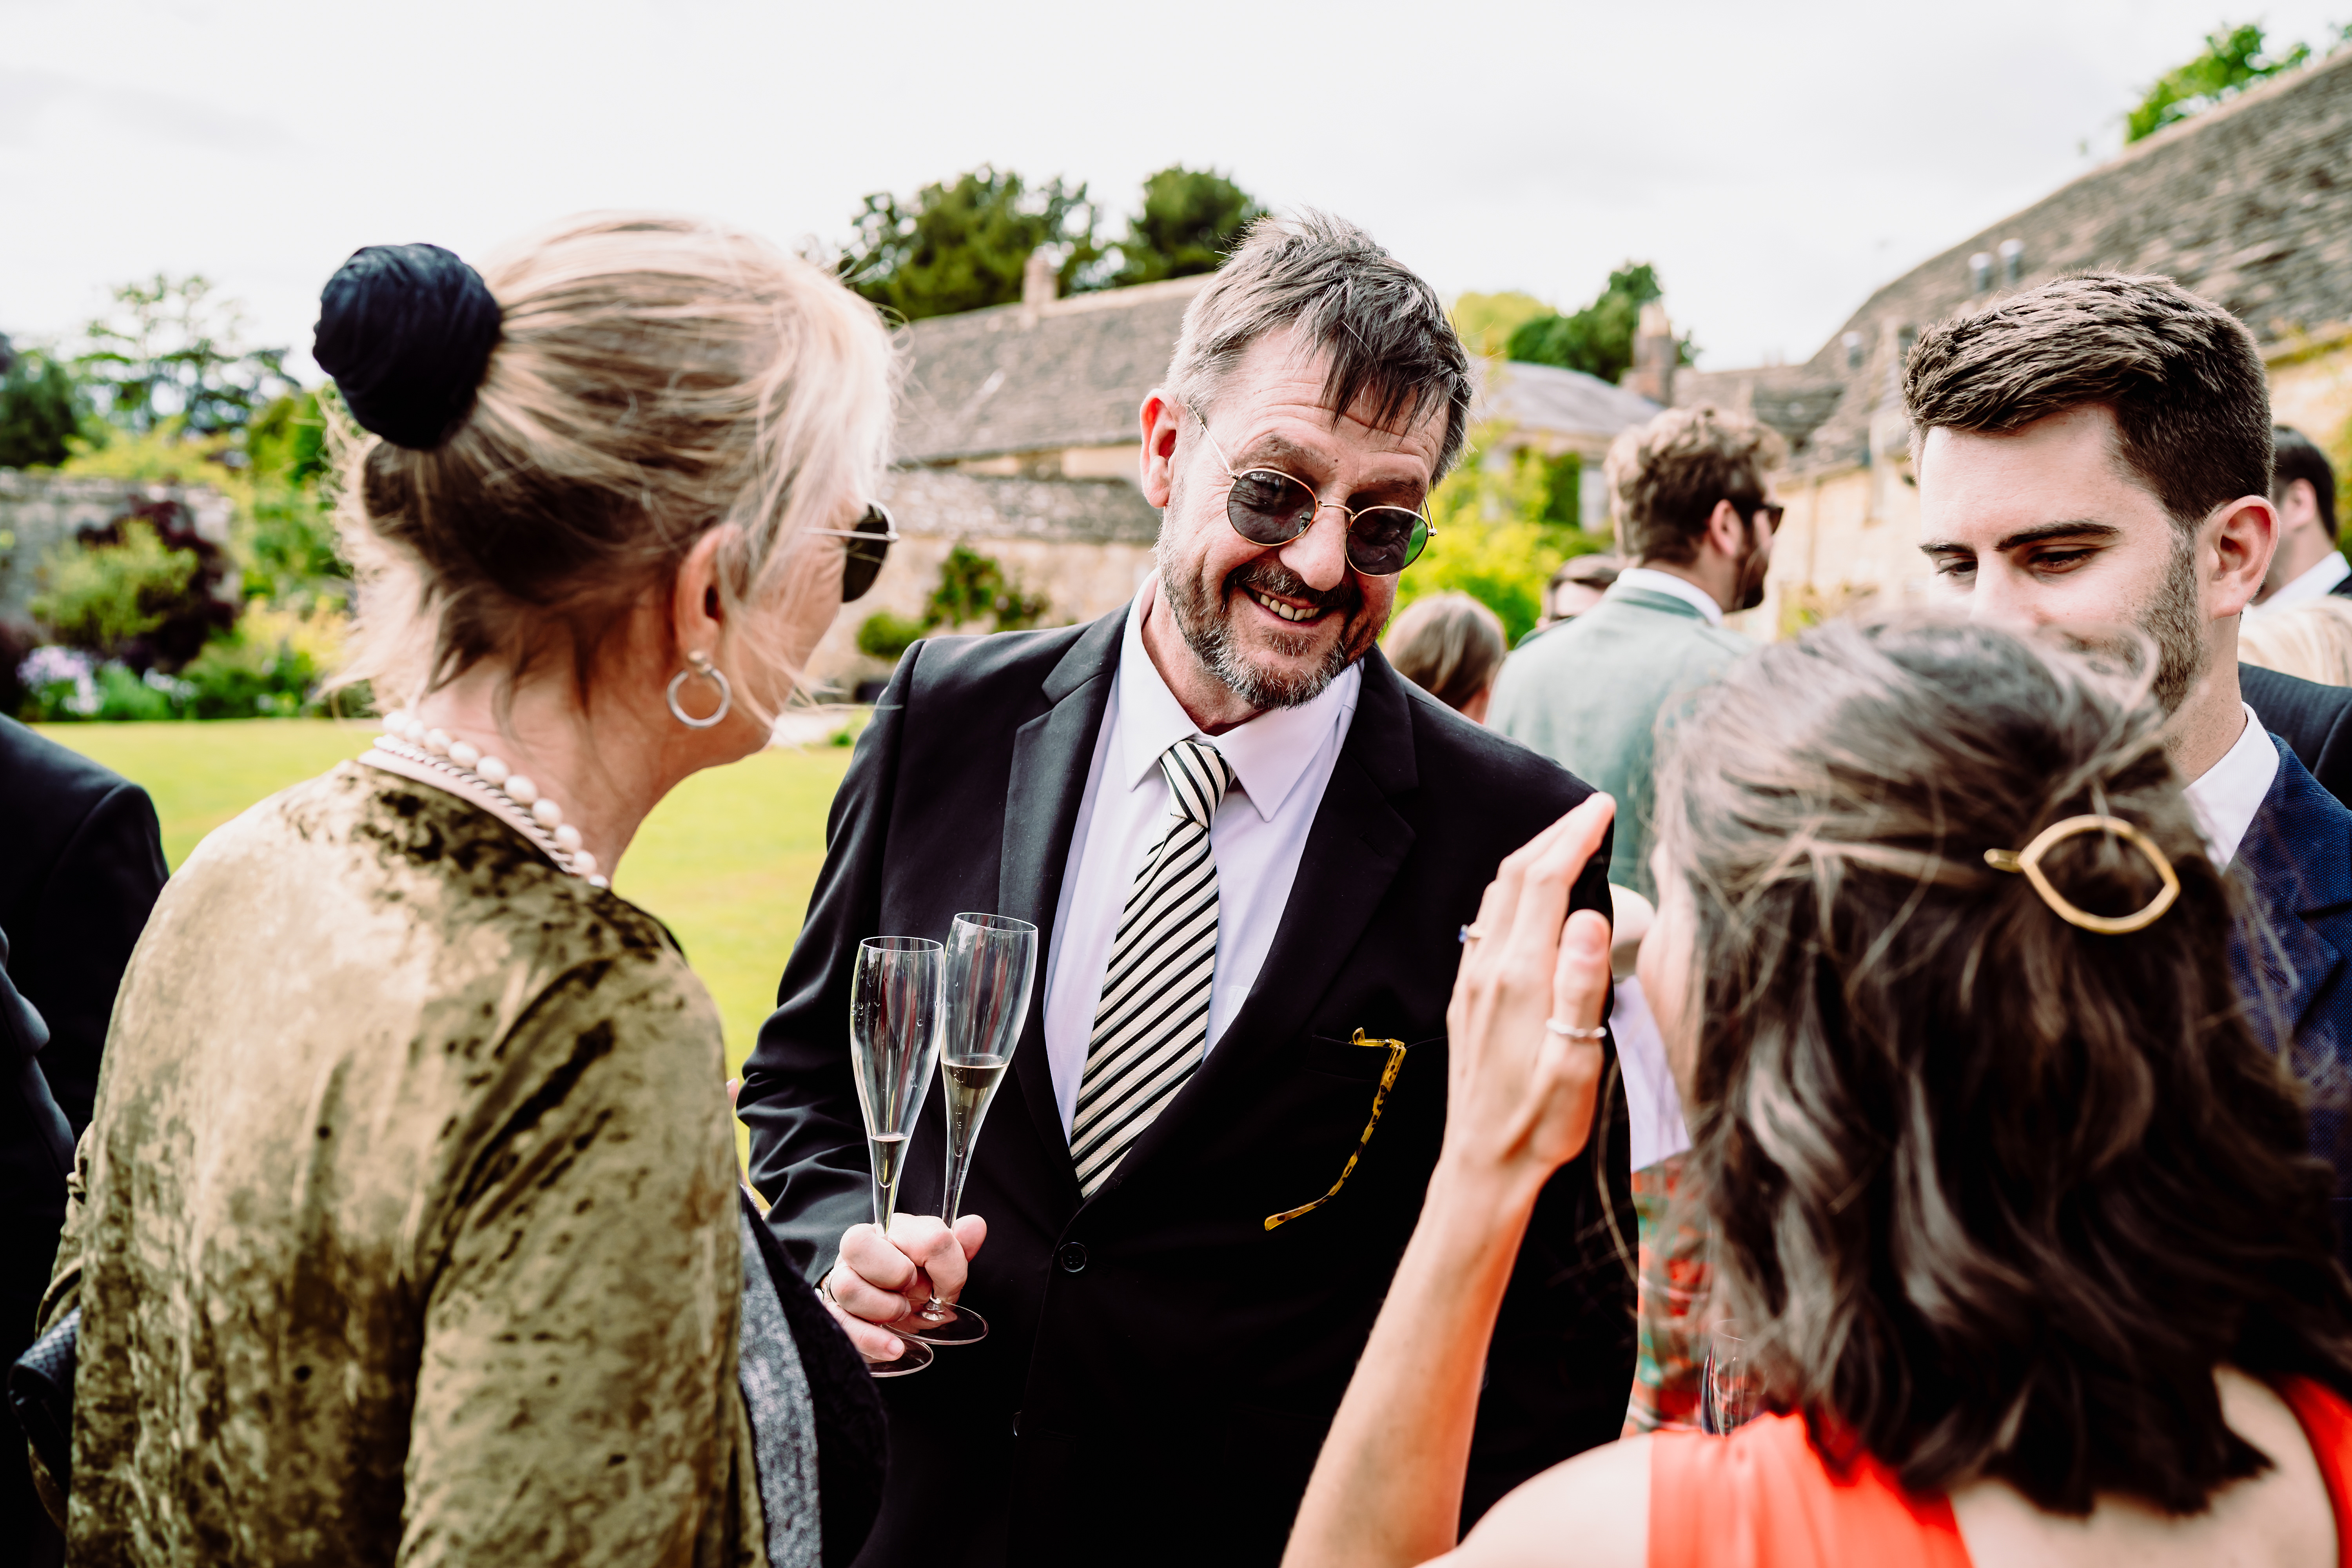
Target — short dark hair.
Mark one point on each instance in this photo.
(1384, 329)
(1592, 570)
(2296, 458)
(2000, 1192)
(2181, 375)
(1665, 478)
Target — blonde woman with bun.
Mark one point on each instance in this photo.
(408, 1228)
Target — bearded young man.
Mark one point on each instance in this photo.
(2094, 453)
(1163, 1362)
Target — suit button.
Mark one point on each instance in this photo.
(1074, 1259)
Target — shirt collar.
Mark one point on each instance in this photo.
(2314, 584)
(1667, 582)
(1268, 756)
(2228, 795)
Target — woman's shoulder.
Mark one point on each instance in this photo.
(1599, 1499)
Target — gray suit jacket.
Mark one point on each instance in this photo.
(1587, 695)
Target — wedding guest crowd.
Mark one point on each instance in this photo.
(1875, 1096)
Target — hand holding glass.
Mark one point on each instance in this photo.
(989, 964)
(893, 1039)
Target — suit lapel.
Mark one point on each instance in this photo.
(2297, 853)
(1051, 756)
(1354, 850)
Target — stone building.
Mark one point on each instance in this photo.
(2249, 204)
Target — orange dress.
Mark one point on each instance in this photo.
(1762, 1497)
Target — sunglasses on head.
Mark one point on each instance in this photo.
(869, 546)
(1267, 506)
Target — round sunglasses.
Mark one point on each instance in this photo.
(1267, 506)
(869, 546)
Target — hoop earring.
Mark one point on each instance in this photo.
(699, 665)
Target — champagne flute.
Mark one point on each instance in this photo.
(893, 1039)
(1727, 1392)
(991, 960)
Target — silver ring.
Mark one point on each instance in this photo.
(699, 665)
(1569, 1031)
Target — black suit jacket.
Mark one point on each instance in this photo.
(1161, 1368)
(80, 864)
(2315, 720)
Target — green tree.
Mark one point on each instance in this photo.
(40, 406)
(1599, 339)
(1192, 218)
(963, 245)
(1503, 525)
(2233, 60)
(1485, 321)
(170, 348)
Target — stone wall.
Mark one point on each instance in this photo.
(1085, 544)
(40, 511)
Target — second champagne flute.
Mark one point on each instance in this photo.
(894, 1040)
(990, 962)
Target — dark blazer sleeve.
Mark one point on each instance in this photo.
(799, 1099)
(2315, 720)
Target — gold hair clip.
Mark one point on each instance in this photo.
(1388, 1079)
(2029, 860)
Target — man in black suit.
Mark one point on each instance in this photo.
(2096, 452)
(1207, 1045)
(83, 863)
(79, 871)
(2314, 719)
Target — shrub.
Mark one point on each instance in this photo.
(144, 590)
(973, 587)
(59, 683)
(885, 636)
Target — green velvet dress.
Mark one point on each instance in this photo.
(407, 1228)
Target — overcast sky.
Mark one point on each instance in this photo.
(1776, 163)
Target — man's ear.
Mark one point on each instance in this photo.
(2245, 535)
(1161, 420)
(1726, 532)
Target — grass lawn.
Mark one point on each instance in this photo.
(728, 860)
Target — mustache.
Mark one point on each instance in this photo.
(1273, 577)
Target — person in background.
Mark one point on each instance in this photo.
(1452, 646)
(2311, 640)
(82, 864)
(1575, 587)
(2308, 565)
(2018, 1246)
(2094, 453)
(408, 1228)
(1695, 520)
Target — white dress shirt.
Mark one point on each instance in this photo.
(2314, 584)
(2226, 796)
(1282, 761)
(1667, 582)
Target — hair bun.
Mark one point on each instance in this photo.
(407, 331)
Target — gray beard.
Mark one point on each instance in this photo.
(1207, 627)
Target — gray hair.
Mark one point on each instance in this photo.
(1383, 330)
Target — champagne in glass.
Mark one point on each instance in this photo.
(893, 1039)
(990, 962)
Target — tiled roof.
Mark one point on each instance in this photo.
(943, 504)
(2249, 204)
(1016, 378)
(1546, 397)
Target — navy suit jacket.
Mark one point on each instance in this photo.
(2297, 859)
(2315, 720)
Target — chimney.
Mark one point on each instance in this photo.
(1655, 353)
(2012, 261)
(1981, 272)
(1041, 282)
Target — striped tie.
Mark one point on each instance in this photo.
(1151, 1025)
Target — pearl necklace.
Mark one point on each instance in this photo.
(512, 795)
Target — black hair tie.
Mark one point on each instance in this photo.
(407, 331)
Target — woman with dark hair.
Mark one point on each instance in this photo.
(2012, 1203)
